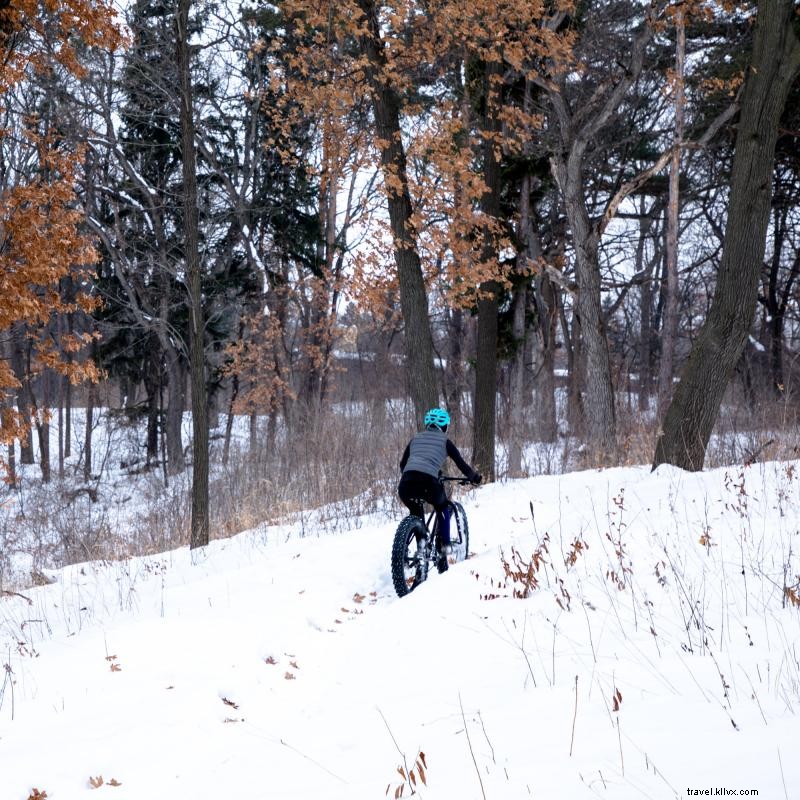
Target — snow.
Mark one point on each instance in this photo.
(272, 665)
(756, 344)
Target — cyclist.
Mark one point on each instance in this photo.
(421, 466)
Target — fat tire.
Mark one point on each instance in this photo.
(461, 549)
(408, 528)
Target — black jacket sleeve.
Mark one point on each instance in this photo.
(465, 468)
(404, 459)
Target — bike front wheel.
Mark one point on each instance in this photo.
(459, 549)
(409, 558)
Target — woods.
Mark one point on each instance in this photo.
(576, 226)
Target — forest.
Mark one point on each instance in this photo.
(259, 240)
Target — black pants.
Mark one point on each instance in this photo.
(416, 487)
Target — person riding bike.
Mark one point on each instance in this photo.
(421, 466)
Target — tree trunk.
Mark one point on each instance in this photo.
(70, 289)
(455, 381)
(776, 304)
(253, 431)
(226, 447)
(67, 418)
(546, 299)
(644, 348)
(87, 437)
(6, 413)
(197, 358)
(483, 449)
(61, 392)
(152, 377)
(598, 395)
(43, 428)
(413, 295)
(572, 342)
(669, 330)
(517, 399)
(321, 310)
(519, 331)
(174, 413)
(488, 306)
(690, 418)
(20, 360)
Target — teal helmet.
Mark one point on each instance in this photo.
(437, 418)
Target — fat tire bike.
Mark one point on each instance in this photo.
(416, 547)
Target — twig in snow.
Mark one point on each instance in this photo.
(469, 743)
(494, 761)
(574, 717)
(308, 758)
(7, 593)
(783, 778)
(397, 746)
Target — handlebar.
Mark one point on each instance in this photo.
(459, 479)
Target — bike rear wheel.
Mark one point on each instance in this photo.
(409, 561)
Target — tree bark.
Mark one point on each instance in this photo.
(485, 422)
(691, 416)
(43, 428)
(483, 448)
(517, 395)
(454, 370)
(6, 413)
(173, 423)
(20, 361)
(776, 303)
(226, 448)
(546, 302)
(598, 408)
(152, 386)
(87, 437)
(519, 330)
(197, 358)
(645, 345)
(413, 295)
(669, 330)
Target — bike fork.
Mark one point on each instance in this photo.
(423, 549)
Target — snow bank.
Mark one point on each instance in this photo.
(616, 634)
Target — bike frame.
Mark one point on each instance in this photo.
(431, 521)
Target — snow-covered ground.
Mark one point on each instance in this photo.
(657, 651)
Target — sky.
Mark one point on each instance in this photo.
(655, 658)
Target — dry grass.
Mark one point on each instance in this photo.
(324, 475)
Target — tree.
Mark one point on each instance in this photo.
(774, 64)
(41, 237)
(197, 358)
(670, 326)
(580, 119)
(413, 296)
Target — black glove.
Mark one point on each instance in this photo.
(476, 478)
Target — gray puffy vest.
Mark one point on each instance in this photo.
(427, 452)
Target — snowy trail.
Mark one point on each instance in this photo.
(165, 681)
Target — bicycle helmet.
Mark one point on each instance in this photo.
(437, 418)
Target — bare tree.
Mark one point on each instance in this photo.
(197, 359)
(579, 125)
(670, 326)
(774, 64)
(413, 296)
